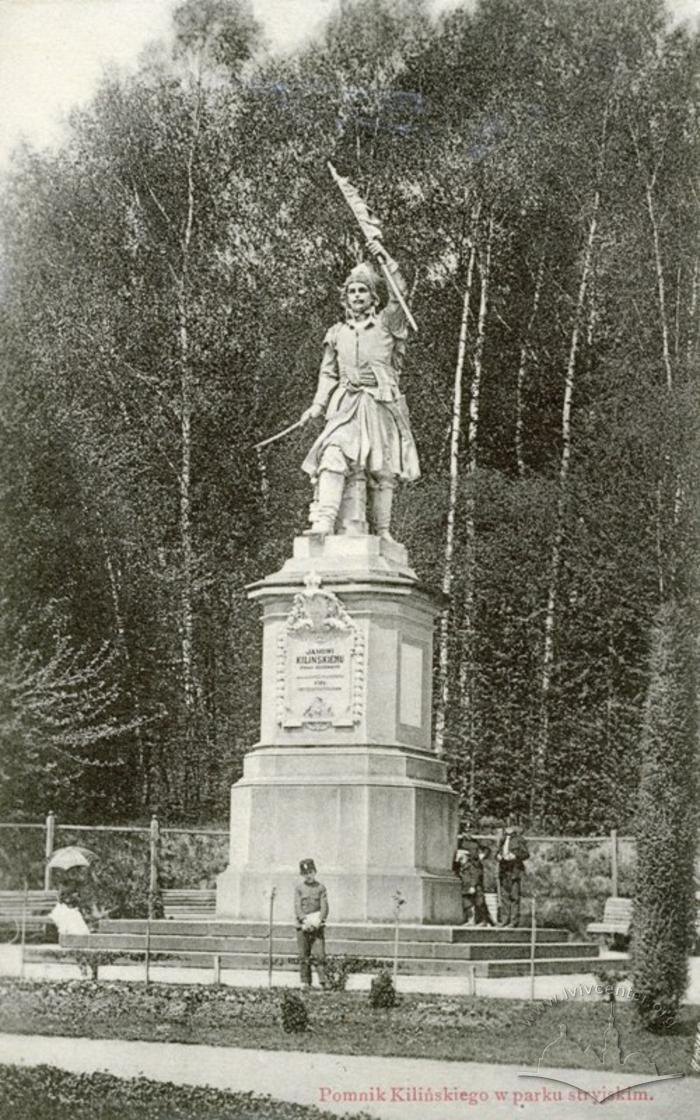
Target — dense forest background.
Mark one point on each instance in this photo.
(167, 278)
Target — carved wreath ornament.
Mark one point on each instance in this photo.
(317, 616)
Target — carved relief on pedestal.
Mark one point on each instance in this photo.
(320, 663)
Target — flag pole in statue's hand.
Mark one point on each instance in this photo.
(372, 233)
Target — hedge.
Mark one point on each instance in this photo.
(46, 1093)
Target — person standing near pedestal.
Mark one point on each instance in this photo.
(511, 855)
(481, 910)
(311, 911)
(367, 443)
(467, 866)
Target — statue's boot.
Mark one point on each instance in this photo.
(383, 486)
(325, 508)
(353, 508)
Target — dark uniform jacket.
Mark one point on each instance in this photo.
(308, 898)
(468, 866)
(518, 848)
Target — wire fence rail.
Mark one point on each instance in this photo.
(154, 833)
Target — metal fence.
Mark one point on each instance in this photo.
(154, 834)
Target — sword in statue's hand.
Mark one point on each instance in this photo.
(279, 435)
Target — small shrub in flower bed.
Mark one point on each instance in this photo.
(420, 1026)
(295, 1017)
(69, 1006)
(46, 1093)
(339, 968)
(382, 993)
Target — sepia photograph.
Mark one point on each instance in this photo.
(349, 559)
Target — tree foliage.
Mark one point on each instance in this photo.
(169, 274)
(667, 823)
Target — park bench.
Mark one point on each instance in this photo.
(194, 903)
(12, 907)
(615, 926)
(617, 919)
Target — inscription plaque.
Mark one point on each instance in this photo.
(320, 663)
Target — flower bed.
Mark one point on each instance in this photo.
(460, 1028)
(45, 1093)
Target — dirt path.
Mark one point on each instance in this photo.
(388, 1088)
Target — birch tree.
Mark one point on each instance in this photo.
(541, 747)
(454, 475)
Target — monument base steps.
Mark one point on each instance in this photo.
(423, 950)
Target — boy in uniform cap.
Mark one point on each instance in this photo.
(467, 866)
(311, 911)
(481, 910)
(367, 440)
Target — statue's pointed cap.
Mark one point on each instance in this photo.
(363, 274)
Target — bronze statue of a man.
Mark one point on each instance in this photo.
(367, 443)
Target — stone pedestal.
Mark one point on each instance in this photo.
(344, 772)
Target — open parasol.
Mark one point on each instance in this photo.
(72, 856)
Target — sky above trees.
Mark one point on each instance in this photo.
(53, 52)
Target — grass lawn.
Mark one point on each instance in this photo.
(456, 1028)
(45, 1093)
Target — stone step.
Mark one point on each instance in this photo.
(413, 967)
(555, 965)
(498, 950)
(351, 932)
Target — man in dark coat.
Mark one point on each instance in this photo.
(511, 854)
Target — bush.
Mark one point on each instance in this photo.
(664, 897)
(612, 978)
(382, 993)
(46, 1093)
(191, 860)
(339, 968)
(295, 1017)
(572, 881)
(89, 962)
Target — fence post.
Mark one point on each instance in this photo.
(399, 901)
(533, 945)
(48, 848)
(471, 979)
(273, 892)
(613, 860)
(147, 955)
(154, 847)
(23, 929)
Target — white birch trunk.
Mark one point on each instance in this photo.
(525, 350)
(677, 324)
(455, 439)
(660, 284)
(692, 311)
(541, 745)
(467, 658)
(186, 546)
